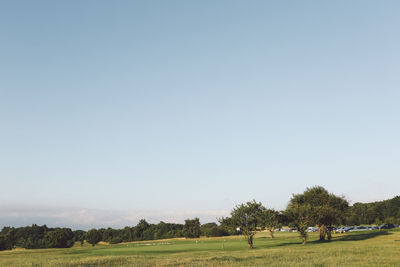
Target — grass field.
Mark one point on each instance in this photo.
(369, 248)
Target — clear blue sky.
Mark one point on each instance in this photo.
(190, 107)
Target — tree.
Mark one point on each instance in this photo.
(139, 229)
(191, 229)
(316, 206)
(7, 238)
(375, 212)
(299, 216)
(271, 220)
(59, 238)
(228, 225)
(248, 217)
(5, 243)
(212, 229)
(327, 209)
(79, 235)
(93, 237)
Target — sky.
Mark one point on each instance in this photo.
(113, 111)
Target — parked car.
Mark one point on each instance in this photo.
(339, 230)
(373, 227)
(347, 228)
(386, 226)
(359, 228)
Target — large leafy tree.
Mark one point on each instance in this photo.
(249, 217)
(328, 209)
(316, 206)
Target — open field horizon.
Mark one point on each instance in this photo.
(369, 248)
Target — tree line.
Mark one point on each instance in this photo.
(386, 211)
(314, 207)
(34, 237)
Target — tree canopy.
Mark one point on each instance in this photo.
(316, 206)
(249, 217)
(93, 236)
(191, 229)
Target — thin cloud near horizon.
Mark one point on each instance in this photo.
(84, 219)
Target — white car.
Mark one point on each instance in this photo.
(359, 228)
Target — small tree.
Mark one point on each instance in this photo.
(192, 229)
(248, 217)
(93, 237)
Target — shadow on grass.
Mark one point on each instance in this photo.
(344, 237)
(361, 236)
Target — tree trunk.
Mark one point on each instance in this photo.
(329, 234)
(271, 231)
(303, 235)
(322, 231)
(250, 241)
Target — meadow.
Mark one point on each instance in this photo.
(368, 248)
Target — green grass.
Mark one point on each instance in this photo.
(369, 248)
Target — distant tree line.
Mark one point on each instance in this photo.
(34, 237)
(314, 207)
(387, 211)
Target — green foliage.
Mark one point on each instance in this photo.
(387, 211)
(138, 231)
(249, 217)
(272, 220)
(7, 238)
(299, 216)
(34, 237)
(93, 236)
(191, 229)
(5, 243)
(228, 224)
(79, 236)
(316, 206)
(59, 238)
(213, 230)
